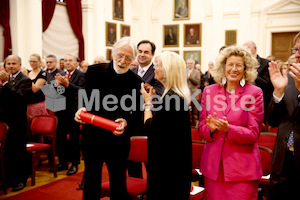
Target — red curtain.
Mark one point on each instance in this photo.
(4, 20)
(75, 15)
(48, 7)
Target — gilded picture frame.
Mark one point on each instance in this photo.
(192, 35)
(111, 33)
(196, 55)
(125, 30)
(171, 35)
(118, 10)
(181, 9)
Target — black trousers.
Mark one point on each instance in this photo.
(285, 185)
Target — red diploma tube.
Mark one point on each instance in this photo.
(98, 121)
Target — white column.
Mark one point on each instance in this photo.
(88, 29)
(244, 29)
(218, 33)
(26, 28)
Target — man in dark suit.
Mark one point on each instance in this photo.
(69, 150)
(51, 62)
(146, 51)
(263, 77)
(145, 70)
(14, 95)
(284, 113)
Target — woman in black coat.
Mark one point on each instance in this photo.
(169, 133)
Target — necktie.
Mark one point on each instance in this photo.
(290, 140)
(68, 76)
(11, 78)
(141, 72)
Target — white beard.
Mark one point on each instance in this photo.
(118, 69)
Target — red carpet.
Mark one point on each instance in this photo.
(64, 189)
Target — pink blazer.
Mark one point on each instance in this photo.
(237, 149)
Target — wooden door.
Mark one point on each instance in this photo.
(282, 44)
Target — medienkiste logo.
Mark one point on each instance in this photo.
(55, 101)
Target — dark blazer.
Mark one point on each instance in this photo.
(263, 81)
(14, 97)
(149, 78)
(51, 77)
(285, 115)
(169, 151)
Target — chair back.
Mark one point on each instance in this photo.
(45, 125)
(3, 135)
(266, 158)
(267, 139)
(197, 149)
(195, 134)
(138, 149)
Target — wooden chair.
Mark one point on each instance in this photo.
(42, 126)
(195, 134)
(3, 135)
(136, 187)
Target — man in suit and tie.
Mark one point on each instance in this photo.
(146, 51)
(284, 113)
(66, 125)
(263, 77)
(14, 95)
(51, 62)
(193, 80)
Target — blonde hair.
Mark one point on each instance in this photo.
(37, 56)
(175, 69)
(250, 62)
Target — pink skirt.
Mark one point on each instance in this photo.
(37, 109)
(221, 189)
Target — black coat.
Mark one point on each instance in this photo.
(286, 116)
(14, 97)
(169, 151)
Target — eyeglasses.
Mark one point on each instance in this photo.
(238, 66)
(294, 50)
(128, 59)
(32, 61)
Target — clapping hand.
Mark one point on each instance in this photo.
(278, 80)
(61, 80)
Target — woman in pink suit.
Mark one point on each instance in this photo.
(231, 120)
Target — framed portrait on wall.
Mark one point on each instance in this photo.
(111, 33)
(181, 9)
(108, 54)
(171, 35)
(125, 30)
(196, 55)
(118, 10)
(192, 35)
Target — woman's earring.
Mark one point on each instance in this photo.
(242, 82)
(224, 80)
(164, 79)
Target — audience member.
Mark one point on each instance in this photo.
(263, 77)
(84, 65)
(99, 59)
(208, 78)
(284, 113)
(283, 66)
(14, 95)
(291, 60)
(37, 103)
(100, 145)
(201, 84)
(146, 51)
(67, 126)
(169, 131)
(271, 58)
(134, 64)
(193, 80)
(231, 121)
(51, 62)
(62, 65)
